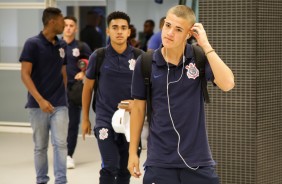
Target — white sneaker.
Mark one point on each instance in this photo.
(70, 163)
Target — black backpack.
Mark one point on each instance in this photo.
(99, 61)
(146, 66)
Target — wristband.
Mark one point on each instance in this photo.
(212, 50)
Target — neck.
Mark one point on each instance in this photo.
(49, 35)
(119, 48)
(68, 39)
(173, 55)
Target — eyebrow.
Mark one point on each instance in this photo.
(176, 26)
(118, 25)
(179, 28)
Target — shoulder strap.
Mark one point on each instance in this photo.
(137, 52)
(79, 45)
(100, 54)
(146, 67)
(200, 60)
(81, 48)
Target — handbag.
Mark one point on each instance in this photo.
(75, 93)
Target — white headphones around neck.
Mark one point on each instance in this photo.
(169, 110)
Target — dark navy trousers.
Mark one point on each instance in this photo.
(203, 175)
(114, 154)
(74, 121)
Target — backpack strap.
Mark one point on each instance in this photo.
(137, 52)
(100, 54)
(146, 67)
(201, 60)
(79, 45)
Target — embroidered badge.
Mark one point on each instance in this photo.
(103, 134)
(132, 63)
(75, 52)
(192, 71)
(62, 52)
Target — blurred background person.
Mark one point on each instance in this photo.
(132, 38)
(90, 34)
(148, 31)
(156, 40)
(77, 52)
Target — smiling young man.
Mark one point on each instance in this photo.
(178, 149)
(115, 75)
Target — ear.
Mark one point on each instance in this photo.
(188, 36)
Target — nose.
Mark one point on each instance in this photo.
(119, 30)
(170, 32)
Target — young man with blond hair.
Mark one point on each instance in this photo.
(178, 149)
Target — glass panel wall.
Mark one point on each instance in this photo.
(20, 20)
(17, 26)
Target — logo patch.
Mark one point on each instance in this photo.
(103, 133)
(75, 52)
(157, 76)
(132, 63)
(192, 71)
(62, 52)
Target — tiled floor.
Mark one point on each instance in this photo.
(16, 161)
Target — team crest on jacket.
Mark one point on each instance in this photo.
(103, 133)
(62, 52)
(132, 63)
(75, 52)
(192, 71)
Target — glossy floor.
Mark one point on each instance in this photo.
(16, 161)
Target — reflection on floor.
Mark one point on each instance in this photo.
(16, 161)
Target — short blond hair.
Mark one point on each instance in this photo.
(184, 12)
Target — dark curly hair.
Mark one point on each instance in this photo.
(118, 15)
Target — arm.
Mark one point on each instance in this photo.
(128, 106)
(224, 77)
(26, 68)
(154, 42)
(136, 124)
(64, 73)
(80, 75)
(86, 100)
(85, 53)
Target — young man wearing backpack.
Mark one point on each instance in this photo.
(77, 54)
(109, 73)
(178, 149)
